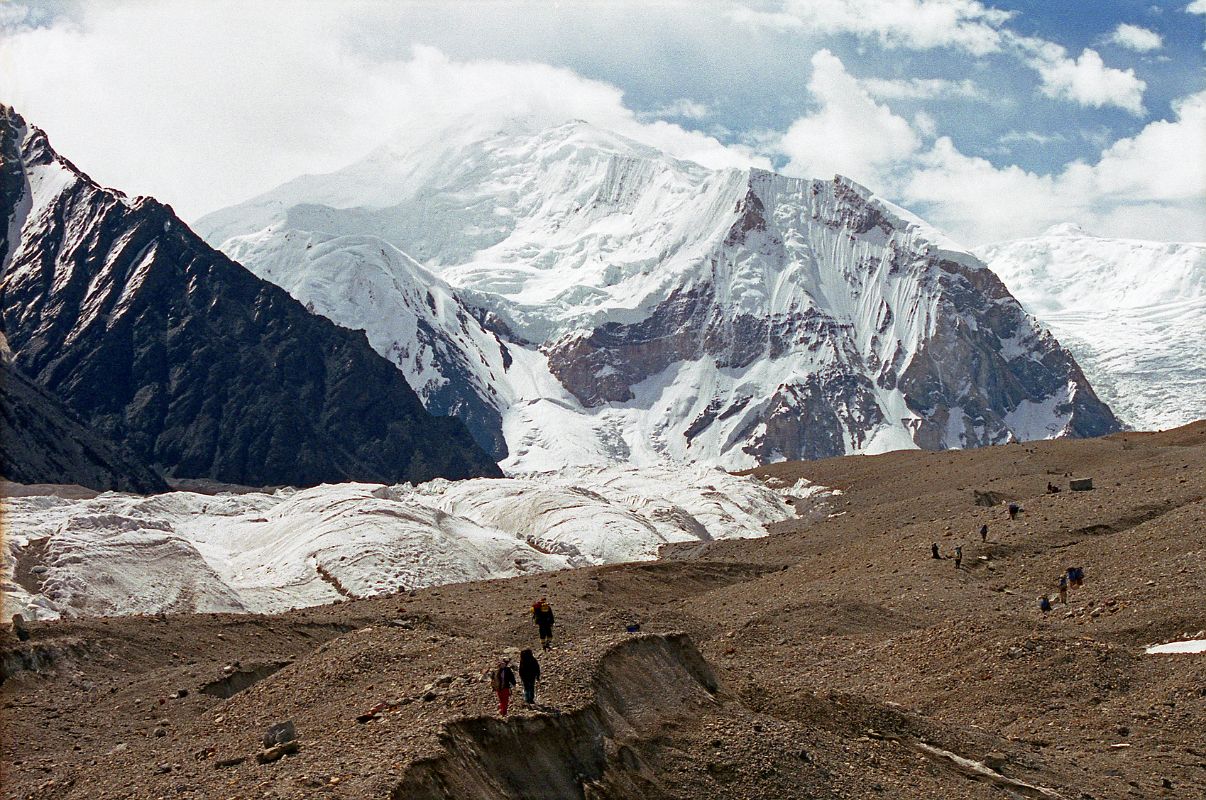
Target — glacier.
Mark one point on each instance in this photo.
(263, 552)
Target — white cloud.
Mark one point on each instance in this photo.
(1196, 7)
(1133, 37)
(204, 105)
(1031, 137)
(233, 77)
(970, 26)
(849, 134)
(1085, 80)
(925, 124)
(682, 108)
(922, 24)
(775, 20)
(920, 88)
(1147, 186)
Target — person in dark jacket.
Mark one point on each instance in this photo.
(958, 556)
(502, 678)
(934, 550)
(542, 615)
(529, 673)
(984, 533)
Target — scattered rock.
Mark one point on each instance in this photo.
(996, 761)
(276, 752)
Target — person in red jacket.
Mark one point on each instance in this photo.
(502, 678)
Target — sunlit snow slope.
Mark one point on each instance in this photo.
(580, 298)
(1132, 312)
(260, 552)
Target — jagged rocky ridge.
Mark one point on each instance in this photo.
(583, 298)
(160, 343)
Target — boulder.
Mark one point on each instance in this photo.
(281, 733)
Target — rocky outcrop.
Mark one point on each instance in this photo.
(966, 390)
(155, 340)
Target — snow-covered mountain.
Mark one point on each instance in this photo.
(261, 552)
(577, 297)
(1132, 312)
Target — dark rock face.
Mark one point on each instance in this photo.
(157, 341)
(41, 441)
(961, 366)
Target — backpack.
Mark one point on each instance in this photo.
(496, 679)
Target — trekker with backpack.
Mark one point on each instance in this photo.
(1063, 589)
(958, 555)
(984, 532)
(934, 550)
(529, 673)
(542, 615)
(1044, 604)
(1014, 510)
(502, 678)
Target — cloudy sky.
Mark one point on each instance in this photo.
(993, 120)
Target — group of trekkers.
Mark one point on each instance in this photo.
(1072, 577)
(502, 676)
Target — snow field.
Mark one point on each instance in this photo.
(1132, 313)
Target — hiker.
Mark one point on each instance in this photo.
(1014, 510)
(529, 673)
(542, 615)
(1052, 488)
(502, 678)
(1063, 589)
(934, 550)
(958, 555)
(984, 533)
(1076, 577)
(1044, 604)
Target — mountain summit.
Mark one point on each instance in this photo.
(579, 297)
